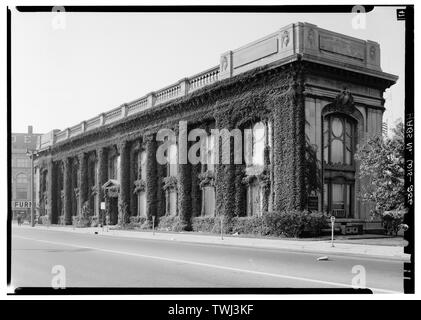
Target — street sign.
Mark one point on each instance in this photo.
(332, 220)
(21, 204)
(102, 205)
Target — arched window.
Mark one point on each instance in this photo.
(339, 135)
(254, 144)
(258, 144)
(141, 196)
(21, 178)
(208, 191)
(172, 160)
(255, 141)
(210, 153)
(338, 138)
(142, 159)
(114, 169)
(118, 168)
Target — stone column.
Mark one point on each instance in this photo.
(102, 176)
(83, 181)
(266, 184)
(195, 190)
(133, 177)
(225, 173)
(184, 194)
(52, 193)
(184, 181)
(124, 198)
(240, 191)
(300, 142)
(67, 188)
(151, 177)
(289, 148)
(102, 170)
(160, 197)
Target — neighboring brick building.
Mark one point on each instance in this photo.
(21, 169)
(315, 94)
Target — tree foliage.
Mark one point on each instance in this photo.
(382, 166)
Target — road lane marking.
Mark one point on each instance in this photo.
(208, 265)
(355, 256)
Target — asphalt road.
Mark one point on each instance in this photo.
(103, 261)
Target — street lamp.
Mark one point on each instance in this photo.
(31, 153)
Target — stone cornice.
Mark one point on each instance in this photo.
(330, 94)
(343, 54)
(179, 109)
(376, 79)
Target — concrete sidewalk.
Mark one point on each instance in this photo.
(312, 246)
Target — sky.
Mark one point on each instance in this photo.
(98, 61)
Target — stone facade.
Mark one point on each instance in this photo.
(21, 170)
(315, 95)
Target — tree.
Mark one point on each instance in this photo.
(382, 166)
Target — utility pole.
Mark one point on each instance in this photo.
(31, 154)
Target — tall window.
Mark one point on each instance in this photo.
(142, 159)
(208, 192)
(21, 193)
(114, 170)
(22, 162)
(210, 152)
(254, 199)
(118, 169)
(339, 170)
(338, 198)
(172, 160)
(338, 140)
(172, 169)
(255, 140)
(21, 178)
(141, 171)
(254, 144)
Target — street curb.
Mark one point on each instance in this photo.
(322, 247)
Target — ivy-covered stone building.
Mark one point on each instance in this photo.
(309, 97)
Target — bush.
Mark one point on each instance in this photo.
(210, 225)
(250, 225)
(44, 220)
(102, 217)
(147, 224)
(137, 221)
(279, 224)
(315, 223)
(80, 222)
(171, 223)
(61, 220)
(94, 221)
(295, 223)
(203, 224)
(287, 224)
(392, 221)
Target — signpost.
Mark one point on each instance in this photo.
(153, 225)
(102, 215)
(31, 153)
(332, 222)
